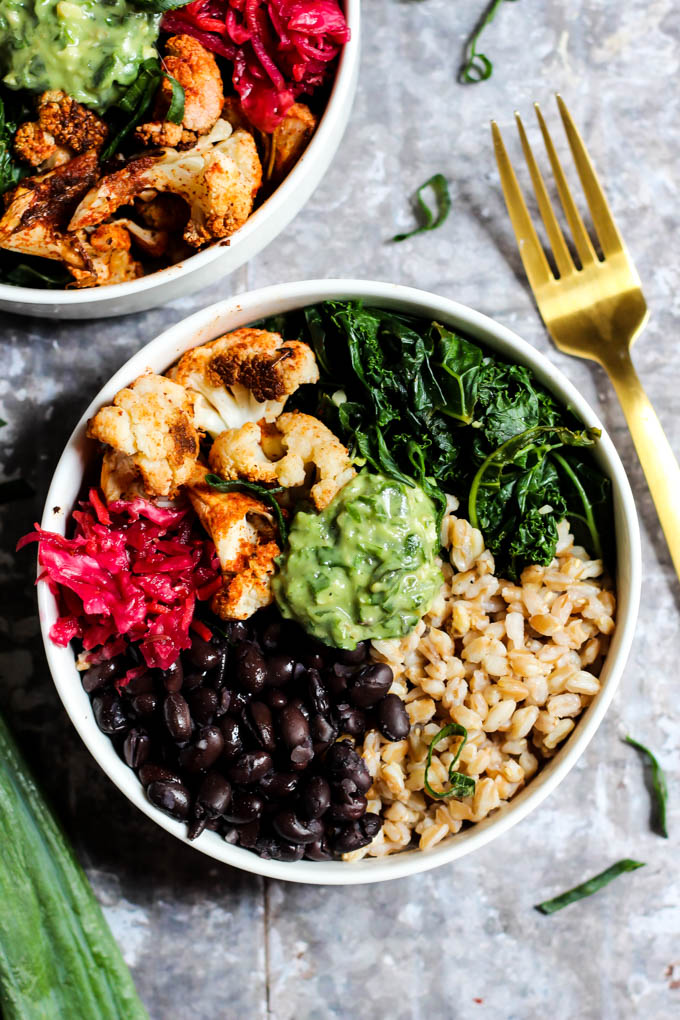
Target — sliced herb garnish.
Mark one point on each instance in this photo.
(461, 785)
(440, 189)
(46, 274)
(593, 885)
(476, 66)
(659, 785)
(135, 102)
(175, 112)
(160, 6)
(266, 495)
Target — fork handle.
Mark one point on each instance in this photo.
(656, 456)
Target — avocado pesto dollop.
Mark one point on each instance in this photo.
(364, 567)
(87, 48)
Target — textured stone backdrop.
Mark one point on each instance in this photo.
(461, 942)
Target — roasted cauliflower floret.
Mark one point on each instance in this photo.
(64, 128)
(109, 260)
(243, 376)
(288, 452)
(196, 70)
(243, 530)
(151, 422)
(290, 139)
(39, 207)
(120, 477)
(218, 179)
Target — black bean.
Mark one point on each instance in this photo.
(223, 702)
(143, 684)
(301, 706)
(109, 713)
(197, 824)
(173, 677)
(350, 720)
(237, 703)
(370, 824)
(316, 797)
(96, 677)
(393, 720)
(370, 684)
(250, 767)
(203, 655)
(350, 810)
(193, 680)
(136, 748)
(177, 717)
(173, 798)
(205, 750)
(350, 838)
(278, 850)
(294, 726)
(279, 784)
(313, 661)
(261, 724)
(251, 670)
(293, 828)
(233, 741)
(245, 807)
(342, 762)
(336, 685)
(230, 835)
(219, 676)
(271, 636)
(248, 834)
(152, 773)
(275, 698)
(214, 794)
(353, 656)
(237, 631)
(318, 695)
(145, 704)
(319, 850)
(280, 669)
(323, 733)
(203, 705)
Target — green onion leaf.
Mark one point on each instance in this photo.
(266, 495)
(659, 785)
(175, 112)
(477, 67)
(593, 885)
(441, 193)
(461, 785)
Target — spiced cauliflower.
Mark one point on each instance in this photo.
(243, 376)
(151, 423)
(243, 531)
(287, 453)
(63, 129)
(218, 178)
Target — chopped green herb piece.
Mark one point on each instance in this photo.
(175, 112)
(659, 785)
(593, 885)
(134, 104)
(160, 6)
(461, 785)
(441, 193)
(266, 495)
(478, 67)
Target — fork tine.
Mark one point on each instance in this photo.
(563, 258)
(533, 257)
(584, 245)
(603, 221)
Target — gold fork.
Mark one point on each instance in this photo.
(595, 311)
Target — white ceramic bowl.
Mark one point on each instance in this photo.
(218, 260)
(236, 312)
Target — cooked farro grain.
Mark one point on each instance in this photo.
(515, 664)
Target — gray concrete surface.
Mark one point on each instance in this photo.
(462, 942)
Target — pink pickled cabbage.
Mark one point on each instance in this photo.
(279, 49)
(132, 569)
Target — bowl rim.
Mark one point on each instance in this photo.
(329, 127)
(230, 314)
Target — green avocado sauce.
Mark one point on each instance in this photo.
(90, 49)
(363, 568)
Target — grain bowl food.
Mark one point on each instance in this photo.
(163, 143)
(318, 720)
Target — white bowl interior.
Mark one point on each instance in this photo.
(220, 259)
(231, 314)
